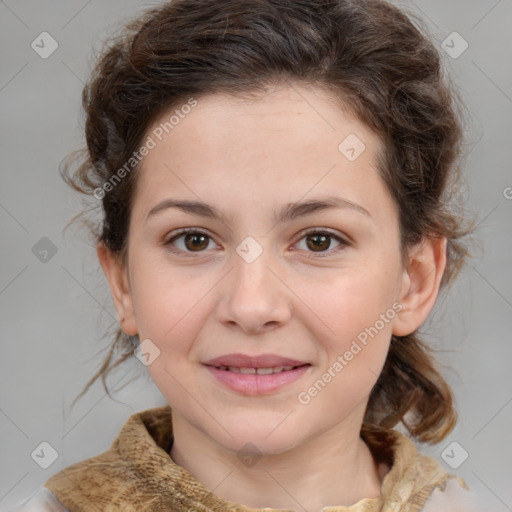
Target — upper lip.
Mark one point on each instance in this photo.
(260, 361)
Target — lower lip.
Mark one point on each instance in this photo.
(254, 384)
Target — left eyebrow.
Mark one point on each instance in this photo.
(294, 210)
(287, 213)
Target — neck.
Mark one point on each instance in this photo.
(333, 469)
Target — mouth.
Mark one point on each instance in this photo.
(257, 381)
(258, 371)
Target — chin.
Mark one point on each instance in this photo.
(267, 438)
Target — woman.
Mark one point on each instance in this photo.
(275, 181)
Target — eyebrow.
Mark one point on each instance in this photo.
(287, 213)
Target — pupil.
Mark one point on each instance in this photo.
(322, 238)
(194, 237)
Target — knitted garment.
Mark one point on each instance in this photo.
(137, 474)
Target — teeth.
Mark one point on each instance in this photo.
(259, 371)
(266, 371)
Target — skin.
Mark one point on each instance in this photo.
(247, 158)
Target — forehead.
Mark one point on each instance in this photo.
(296, 109)
(288, 141)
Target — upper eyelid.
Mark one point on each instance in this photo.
(343, 239)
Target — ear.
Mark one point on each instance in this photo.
(421, 283)
(117, 277)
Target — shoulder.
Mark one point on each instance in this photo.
(416, 481)
(453, 498)
(42, 501)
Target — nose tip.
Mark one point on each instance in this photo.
(253, 297)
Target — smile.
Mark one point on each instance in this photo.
(257, 381)
(259, 371)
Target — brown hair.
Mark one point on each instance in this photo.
(370, 56)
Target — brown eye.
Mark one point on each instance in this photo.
(196, 241)
(319, 242)
(189, 241)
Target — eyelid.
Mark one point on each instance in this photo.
(343, 240)
(181, 232)
(184, 231)
(335, 234)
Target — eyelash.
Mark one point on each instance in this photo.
(315, 231)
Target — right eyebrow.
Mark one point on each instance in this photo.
(287, 213)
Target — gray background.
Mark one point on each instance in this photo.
(54, 313)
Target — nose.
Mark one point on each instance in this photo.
(253, 296)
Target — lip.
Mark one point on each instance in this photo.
(256, 361)
(254, 384)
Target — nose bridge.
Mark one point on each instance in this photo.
(254, 297)
(252, 274)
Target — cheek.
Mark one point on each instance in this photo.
(354, 335)
(351, 317)
(348, 302)
(170, 310)
(169, 305)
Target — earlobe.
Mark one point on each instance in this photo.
(421, 283)
(116, 274)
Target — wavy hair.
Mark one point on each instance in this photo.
(376, 59)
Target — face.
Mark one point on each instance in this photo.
(320, 285)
